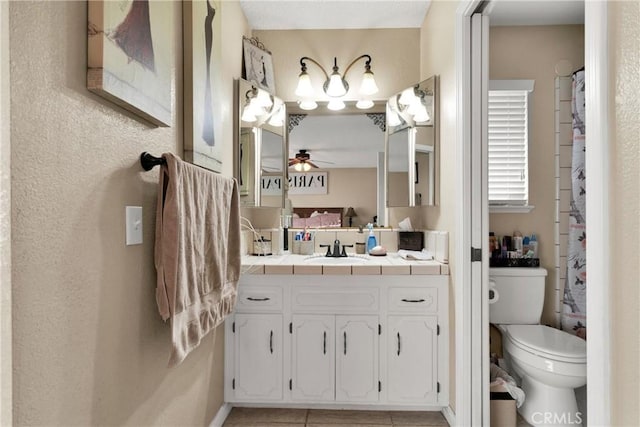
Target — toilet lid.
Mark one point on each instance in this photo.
(549, 342)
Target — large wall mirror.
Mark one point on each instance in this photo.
(260, 147)
(412, 147)
(336, 162)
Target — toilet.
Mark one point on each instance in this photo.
(548, 363)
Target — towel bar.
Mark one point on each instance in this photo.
(148, 161)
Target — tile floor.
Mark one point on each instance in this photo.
(267, 417)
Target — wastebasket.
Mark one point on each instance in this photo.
(503, 407)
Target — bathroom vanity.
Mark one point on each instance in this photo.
(346, 333)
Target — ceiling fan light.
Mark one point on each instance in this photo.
(298, 167)
(306, 167)
(304, 88)
(364, 104)
(368, 85)
(335, 105)
(336, 86)
(308, 105)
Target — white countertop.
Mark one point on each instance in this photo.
(354, 264)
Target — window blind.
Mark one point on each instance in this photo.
(508, 141)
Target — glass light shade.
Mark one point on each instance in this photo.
(298, 167)
(277, 119)
(406, 97)
(302, 167)
(308, 105)
(306, 167)
(335, 105)
(368, 85)
(415, 106)
(336, 86)
(247, 115)
(422, 115)
(304, 88)
(393, 119)
(264, 99)
(364, 104)
(256, 108)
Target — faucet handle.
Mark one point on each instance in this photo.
(344, 252)
(328, 249)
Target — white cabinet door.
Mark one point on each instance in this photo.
(412, 360)
(313, 358)
(258, 357)
(357, 358)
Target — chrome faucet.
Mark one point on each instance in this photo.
(336, 250)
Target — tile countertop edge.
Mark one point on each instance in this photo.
(291, 263)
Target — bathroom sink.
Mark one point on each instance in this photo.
(323, 260)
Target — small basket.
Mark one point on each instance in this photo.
(303, 247)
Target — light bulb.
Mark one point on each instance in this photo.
(336, 86)
(308, 105)
(304, 85)
(364, 104)
(335, 105)
(368, 85)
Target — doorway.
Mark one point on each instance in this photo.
(472, 359)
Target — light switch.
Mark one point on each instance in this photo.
(134, 224)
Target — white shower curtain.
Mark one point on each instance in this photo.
(575, 289)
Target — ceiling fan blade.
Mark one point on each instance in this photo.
(293, 162)
(313, 165)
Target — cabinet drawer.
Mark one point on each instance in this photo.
(335, 300)
(259, 299)
(413, 300)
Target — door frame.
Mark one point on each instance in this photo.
(468, 398)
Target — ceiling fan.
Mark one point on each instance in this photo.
(302, 161)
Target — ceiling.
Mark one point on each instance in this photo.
(334, 14)
(535, 12)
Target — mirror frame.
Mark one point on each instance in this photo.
(427, 86)
(241, 87)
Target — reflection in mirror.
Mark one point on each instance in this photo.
(412, 147)
(349, 148)
(261, 146)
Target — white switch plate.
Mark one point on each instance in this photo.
(134, 224)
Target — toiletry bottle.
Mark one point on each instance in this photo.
(533, 246)
(492, 244)
(371, 240)
(517, 243)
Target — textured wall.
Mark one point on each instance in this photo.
(437, 56)
(89, 346)
(624, 104)
(532, 52)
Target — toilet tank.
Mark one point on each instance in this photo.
(516, 295)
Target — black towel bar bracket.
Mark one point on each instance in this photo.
(148, 161)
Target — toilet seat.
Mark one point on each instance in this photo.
(548, 342)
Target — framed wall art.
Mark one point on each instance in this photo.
(258, 65)
(202, 83)
(130, 53)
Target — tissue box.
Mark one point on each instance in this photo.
(411, 240)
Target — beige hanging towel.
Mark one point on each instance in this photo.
(197, 251)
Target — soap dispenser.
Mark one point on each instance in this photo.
(371, 240)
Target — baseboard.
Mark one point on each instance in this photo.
(221, 415)
(449, 415)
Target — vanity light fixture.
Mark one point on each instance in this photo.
(413, 102)
(259, 104)
(335, 85)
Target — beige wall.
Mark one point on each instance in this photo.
(531, 53)
(624, 87)
(89, 346)
(437, 56)
(394, 54)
